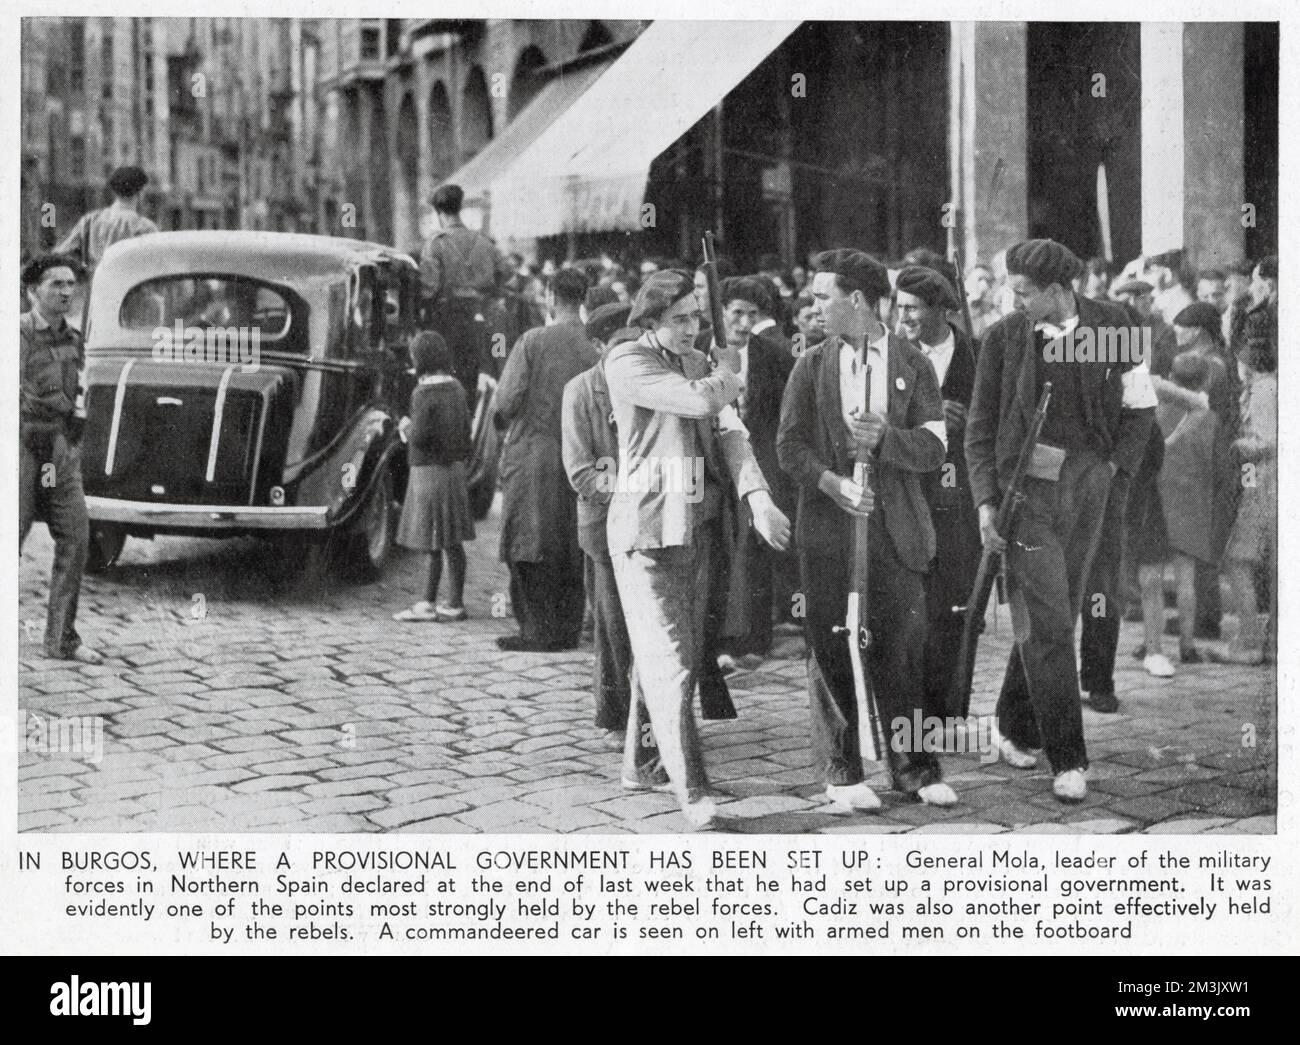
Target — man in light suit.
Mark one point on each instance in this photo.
(823, 427)
(681, 472)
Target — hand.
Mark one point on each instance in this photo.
(727, 356)
(954, 414)
(989, 536)
(867, 430)
(848, 495)
(403, 427)
(769, 520)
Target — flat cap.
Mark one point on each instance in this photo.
(660, 291)
(928, 285)
(606, 319)
(860, 271)
(1135, 286)
(1044, 261)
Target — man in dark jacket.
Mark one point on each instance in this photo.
(923, 297)
(823, 426)
(539, 527)
(1097, 425)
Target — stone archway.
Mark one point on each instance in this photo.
(406, 152)
(442, 136)
(475, 115)
(528, 78)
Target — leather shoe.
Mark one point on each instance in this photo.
(87, 655)
(1103, 701)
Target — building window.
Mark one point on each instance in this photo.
(76, 56)
(369, 45)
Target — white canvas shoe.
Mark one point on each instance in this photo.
(1016, 756)
(1157, 664)
(1070, 786)
(937, 794)
(853, 796)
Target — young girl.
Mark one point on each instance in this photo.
(436, 516)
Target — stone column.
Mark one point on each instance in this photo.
(987, 132)
(1214, 143)
(1162, 136)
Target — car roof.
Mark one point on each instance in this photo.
(272, 255)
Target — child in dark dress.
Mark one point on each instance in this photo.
(436, 516)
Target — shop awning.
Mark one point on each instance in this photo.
(496, 158)
(587, 171)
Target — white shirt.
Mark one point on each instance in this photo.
(853, 378)
(940, 355)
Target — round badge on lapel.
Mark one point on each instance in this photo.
(900, 384)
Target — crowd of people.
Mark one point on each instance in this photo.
(693, 488)
(683, 490)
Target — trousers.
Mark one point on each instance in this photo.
(51, 490)
(611, 681)
(1103, 597)
(548, 600)
(665, 596)
(1047, 562)
(896, 616)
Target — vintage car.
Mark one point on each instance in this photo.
(252, 382)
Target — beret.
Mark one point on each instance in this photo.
(34, 271)
(859, 270)
(660, 291)
(1044, 261)
(927, 285)
(1135, 286)
(1200, 314)
(606, 319)
(756, 290)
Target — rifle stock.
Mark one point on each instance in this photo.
(958, 704)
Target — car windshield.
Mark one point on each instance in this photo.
(203, 302)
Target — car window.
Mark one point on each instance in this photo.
(208, 301)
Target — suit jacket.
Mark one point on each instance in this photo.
(1118, 400)
(668, 420)
(590, 448)
(813, 438)
(958, 386)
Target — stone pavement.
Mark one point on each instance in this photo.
(240, 697)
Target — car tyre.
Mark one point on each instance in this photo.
(105, 547)
(372, 539)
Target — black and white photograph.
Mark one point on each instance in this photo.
(508, 426)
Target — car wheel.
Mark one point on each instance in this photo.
(105, 546)
(372, 540)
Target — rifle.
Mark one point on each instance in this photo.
(715, 294)
(991, 563)
(959, 274)
(871, 733)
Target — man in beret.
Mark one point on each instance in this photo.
(923, 298)
(830, 413)
(460, 272)
(51, 357)
(1096, 429)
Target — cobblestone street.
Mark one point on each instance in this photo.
(271, 704)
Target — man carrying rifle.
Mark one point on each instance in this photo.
(823, 425)
(1096, 425)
